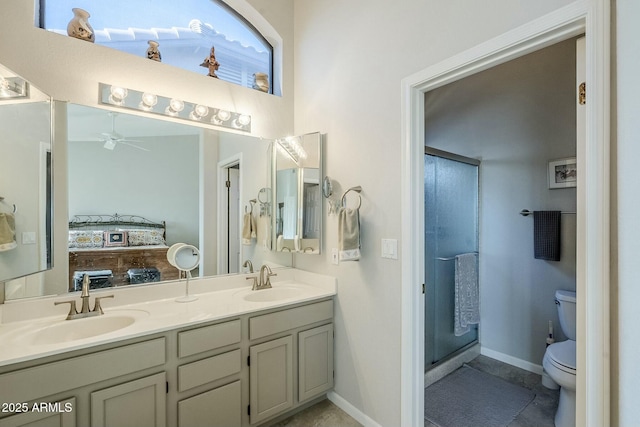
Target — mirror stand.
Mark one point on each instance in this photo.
(185, 258)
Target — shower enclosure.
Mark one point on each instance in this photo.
(451, 228)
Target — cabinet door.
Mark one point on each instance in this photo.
(315, 362)
(136, 403)
(271, 378)
(221, 407)
(62, 415)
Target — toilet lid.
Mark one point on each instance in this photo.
(563, 355)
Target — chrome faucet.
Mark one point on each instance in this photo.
(248, 263)
(264, 277)
(265, 281)
(84, 310)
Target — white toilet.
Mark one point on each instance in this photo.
(560, 360)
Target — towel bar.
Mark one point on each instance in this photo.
(451, 257)
(527, 212)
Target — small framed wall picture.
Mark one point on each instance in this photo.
(115, 238)
(563, 173)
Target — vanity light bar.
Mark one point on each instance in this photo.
(13, 87)
(172, 107)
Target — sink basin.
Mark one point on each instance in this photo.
(78, 329)
(272, 294)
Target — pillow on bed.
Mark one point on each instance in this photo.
(145, 237)
(86, 239)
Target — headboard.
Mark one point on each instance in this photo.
(143, 230)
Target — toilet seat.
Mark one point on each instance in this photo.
(562, 355)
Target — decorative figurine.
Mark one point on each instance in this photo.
(211, 63)
(152, 52)
(261, 82)
(79, 26)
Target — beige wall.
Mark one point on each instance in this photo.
(350, 58)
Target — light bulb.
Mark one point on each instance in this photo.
(199, 111)
(118, 94)
(149, 100)
(175, 106)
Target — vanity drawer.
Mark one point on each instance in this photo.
(280, 321)
(208, 370)
(208, 338)
(51, 378)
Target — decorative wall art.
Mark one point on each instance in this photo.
(563, 173)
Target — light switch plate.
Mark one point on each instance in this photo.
(28, 237)
(390, 248)
(335, 259)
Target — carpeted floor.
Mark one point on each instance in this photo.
(471, 398)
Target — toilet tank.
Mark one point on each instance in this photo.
(566, 304)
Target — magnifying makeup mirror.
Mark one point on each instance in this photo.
(185, 258)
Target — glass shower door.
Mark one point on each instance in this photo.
(451, 228)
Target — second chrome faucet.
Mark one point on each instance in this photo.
(263, 281)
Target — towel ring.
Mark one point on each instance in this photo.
(357, 189)
(14, 205)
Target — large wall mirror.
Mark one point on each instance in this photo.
(298, 196)
(25, 178)
(137, 184)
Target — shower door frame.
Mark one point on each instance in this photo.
(430, 151)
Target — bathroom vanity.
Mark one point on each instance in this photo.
(235, 357)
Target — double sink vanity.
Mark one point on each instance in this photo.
(233, 357)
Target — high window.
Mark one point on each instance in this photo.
(185, 30)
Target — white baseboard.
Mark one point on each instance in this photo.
(354, 412)
(514, 361)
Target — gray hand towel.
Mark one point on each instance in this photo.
(7, 232)
(546, 235)
(467, 294)
(349, 234)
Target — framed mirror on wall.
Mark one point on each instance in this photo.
(297, 200)
(25, 181)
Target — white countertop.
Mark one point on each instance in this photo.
(28, 326)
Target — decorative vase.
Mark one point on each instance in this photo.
(152, 52)
(261, 82)
(79, 26)
(211, 63)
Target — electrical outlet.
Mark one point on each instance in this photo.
(335, 258)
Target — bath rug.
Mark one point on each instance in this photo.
(471, 398)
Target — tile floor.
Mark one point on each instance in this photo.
(539, 413)
(322, 414)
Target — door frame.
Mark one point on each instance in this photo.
(589, 17)
(223, 165)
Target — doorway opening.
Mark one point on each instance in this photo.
(593, 198)
(229, 214)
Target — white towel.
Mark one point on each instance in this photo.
(7, 232)
(264, 232)
(467, 295)
(349, 234)
(248, 228)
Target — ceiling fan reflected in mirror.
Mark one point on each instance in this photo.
(113, 138)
